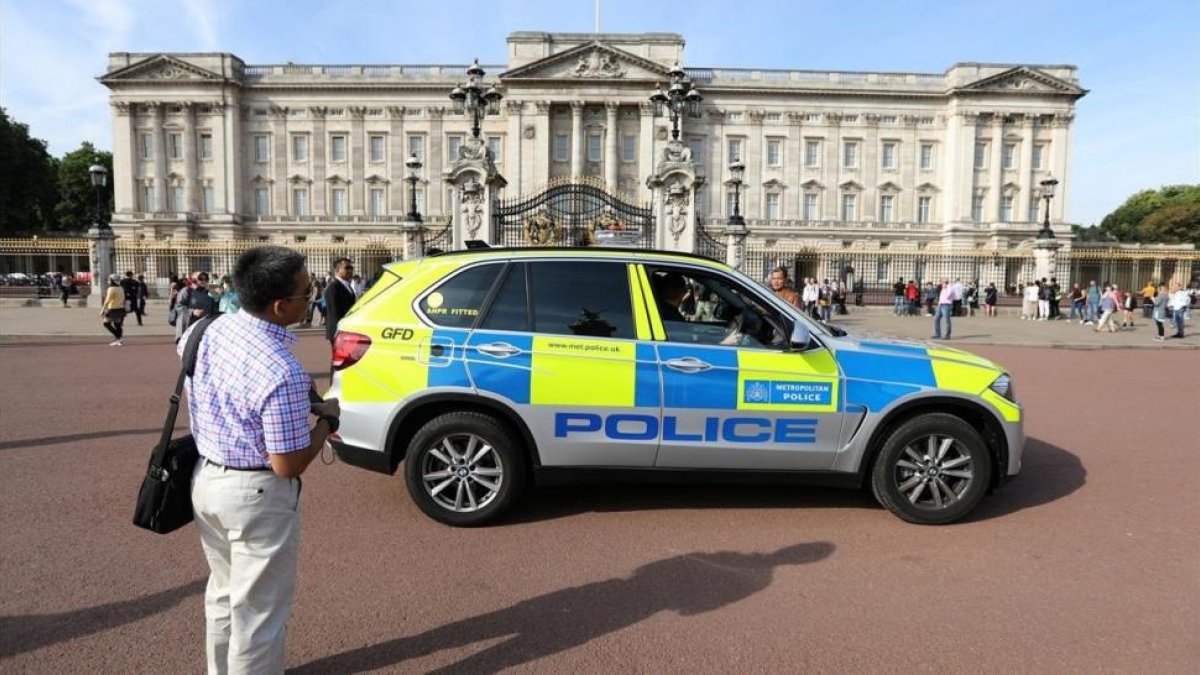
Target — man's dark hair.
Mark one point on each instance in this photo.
(265, 274)
(129, 273)
(670, 284)
(337, 264)
(781, 269)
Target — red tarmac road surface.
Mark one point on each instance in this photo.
(1088, 561)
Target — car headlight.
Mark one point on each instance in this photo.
(1003, 386)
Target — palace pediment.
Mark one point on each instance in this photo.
(1023, 80)
(160, 68)
(593, 61)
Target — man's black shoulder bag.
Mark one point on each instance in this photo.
(164, 502)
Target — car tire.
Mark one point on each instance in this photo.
(464, 469)
(932, 470)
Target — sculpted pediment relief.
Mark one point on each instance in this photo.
(1023, 80)
(592, 61)
(161, 68)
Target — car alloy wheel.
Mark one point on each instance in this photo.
(462, 472)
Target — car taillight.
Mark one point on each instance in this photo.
(348, 349)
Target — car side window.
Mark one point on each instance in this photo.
(510, 308)
(456, 302)
(580, 297)
(698, 307)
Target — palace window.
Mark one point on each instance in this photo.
(1034, 210)
(416, 146)
(146, 197)
(262, 201)
(376, 150)
(977, 208)
(175, 144)
(771, 206)
(923, 204)
(850, 155)
(561, 148)
(774, 152)
(206, 199)
(812, 153)
(337, 148)
(300, 202)
(594, 144)
(338, 201)
(300, 148)
(205, 146)
(889, 155)
(810, 207)
(1009, 158)
(146, 144)
(733, 151)
(981, 155)
(886, 202)
(629, 148)
(697, 146)
(453, 143)
(1039, 153)
(262, 149)
(926, 156)
(378, 206)
(496, 147)
(175, 199)
(849, 207)
(1006, 209)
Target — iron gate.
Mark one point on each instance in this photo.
(573, 214)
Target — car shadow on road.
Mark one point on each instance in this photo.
(72, 438)
(688, 584)
(27, 632)
(1048, 473)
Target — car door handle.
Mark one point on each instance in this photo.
(500, 350)
(688, 364)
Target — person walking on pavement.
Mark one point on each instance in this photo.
(1158, 310)
(1129, 303)
(66, 286)
(130, 287)
(1093, 302)
(991, 297)
(112, 312)
(1108, 306)
(945, 309)
(912, 293)
(194, 303)
(1077, 298)
(339, 296)
(898, 298)
(1179, 302)
(250, 416)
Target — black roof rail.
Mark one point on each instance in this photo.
(542, 249)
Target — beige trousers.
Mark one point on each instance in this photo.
(249, 524)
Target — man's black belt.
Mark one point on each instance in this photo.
(237, 468)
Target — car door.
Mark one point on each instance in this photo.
(735, 394)
(560, 342)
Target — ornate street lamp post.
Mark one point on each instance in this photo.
(1047, 194)
(736, 171)
(472, 99)
(99, 176)
(680, 98)
(735, 230)
(414, 176)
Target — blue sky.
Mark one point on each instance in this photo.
(1138, 128)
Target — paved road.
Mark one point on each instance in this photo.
(1089, 561)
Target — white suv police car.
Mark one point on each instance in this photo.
(482, 368)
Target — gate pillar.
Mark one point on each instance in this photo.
(674, 183)
(477, 185)
(103, 259)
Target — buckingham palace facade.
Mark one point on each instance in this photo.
(206, 147)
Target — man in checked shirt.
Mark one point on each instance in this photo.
(250, 409)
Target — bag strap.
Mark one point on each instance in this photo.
(190, 352)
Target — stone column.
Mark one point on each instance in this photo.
(1045, 254)
(539, 164)
(512, 160)
(1060, 155)
(576, 139)
(124, 177)
(160, 157)
(190, 173)
(611, 160)
(1028, 180)
(477, 185)
(412, 235)
(674, 183)
(397, 155)
(316, 155)
(103, 256)
(645, 138)
(735, 244)
(435, 155)
(357, 161)
(991, 211)
(277, 162)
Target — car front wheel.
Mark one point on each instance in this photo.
(464, 469)
(933, 469)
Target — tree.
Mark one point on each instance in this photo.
(1157, 216)
(28, 179)
(76, 209)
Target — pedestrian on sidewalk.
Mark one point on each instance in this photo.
(957, 287)
(1043, 300)
(931, 298)
(1093, 302)
(991, 297)
(972, 298)
(1029, 306)
(1108, 306)
(1158, 310)
(66, 288)
(1077, 299)
(945, 309)
(1179, 303)
(1129, 303)
(112, 312)
(898, 298)
(1148, 293)
(129, 286)
(143, 294)
(912, 293)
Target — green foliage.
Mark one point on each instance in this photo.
(28, 180)
(76, 209)
(1170, 215)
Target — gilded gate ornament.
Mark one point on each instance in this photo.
(540, 230)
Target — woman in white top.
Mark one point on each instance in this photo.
(1179, 303)
(1029, 309)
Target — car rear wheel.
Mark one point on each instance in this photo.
(933, 469)
(464, 469)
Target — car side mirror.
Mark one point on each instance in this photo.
(800, 336)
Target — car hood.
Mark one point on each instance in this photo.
(886, 346)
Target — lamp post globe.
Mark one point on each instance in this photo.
(737, 170)
(471, 98)
(680, 98)
(99, 176)
(1048, 186)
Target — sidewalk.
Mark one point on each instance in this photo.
(52, 320)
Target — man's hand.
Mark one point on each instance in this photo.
(327, 408)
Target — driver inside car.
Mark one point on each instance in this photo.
(744, 323)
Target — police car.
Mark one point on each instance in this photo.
(482, 369)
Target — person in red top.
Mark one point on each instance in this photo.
(913, 293)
